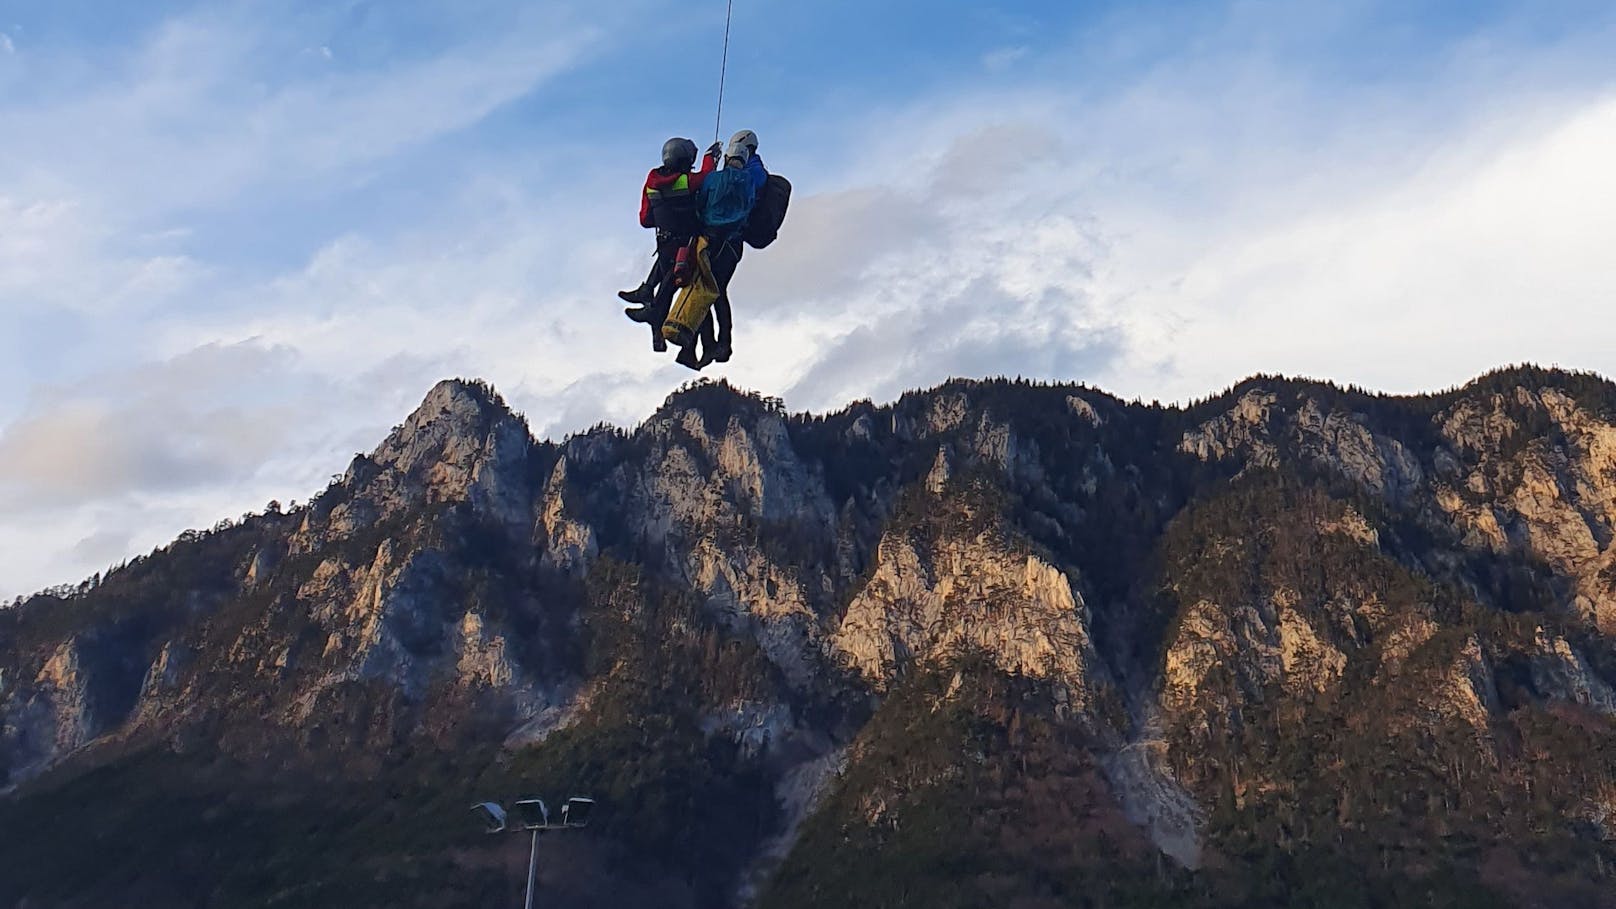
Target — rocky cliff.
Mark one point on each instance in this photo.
(994, 644)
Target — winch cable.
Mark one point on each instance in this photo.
(723, 70)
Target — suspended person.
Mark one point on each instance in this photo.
(726, 204)
(668, 204)
(742, 148)
(727, 196)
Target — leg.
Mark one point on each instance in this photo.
(724, 264)
(640, 296)
(654, 303)
(709, 344)
(687, 355)
(666, 249)
(657, 313)
(726, 328)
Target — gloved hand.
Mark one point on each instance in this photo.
(716, 150)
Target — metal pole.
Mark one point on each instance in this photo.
(532, 868)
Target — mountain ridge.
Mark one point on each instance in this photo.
(1163, 618)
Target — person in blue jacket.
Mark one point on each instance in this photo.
(725, 252)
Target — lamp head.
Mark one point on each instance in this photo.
(530, 813)
(492, 816)
(575, 813)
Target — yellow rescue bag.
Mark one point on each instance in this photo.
(693, 302)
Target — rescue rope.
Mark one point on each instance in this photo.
(723, 70)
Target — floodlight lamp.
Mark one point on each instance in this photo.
(576, 811)
(531, 815)
(493, 816)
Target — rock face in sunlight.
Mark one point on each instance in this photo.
(995, 644)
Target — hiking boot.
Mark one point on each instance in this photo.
(640, 314)
(643, 295)
(687, 358)
(658, 343)
(722, 351)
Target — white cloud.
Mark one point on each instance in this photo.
(1489, 254)
(1211, 216)
(116, 166)
(62, 253)
(209, 417)
(199, 113)
(1003, 58)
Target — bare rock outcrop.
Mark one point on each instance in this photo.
(981, 593)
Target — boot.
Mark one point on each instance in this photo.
(687, 358)
(643, 295)
(722, 351)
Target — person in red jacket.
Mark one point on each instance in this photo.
(669, 205)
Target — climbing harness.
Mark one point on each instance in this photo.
(723, 70)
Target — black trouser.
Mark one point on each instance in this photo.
(667, 252)
(723, 259)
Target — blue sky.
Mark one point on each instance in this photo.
(239, 240)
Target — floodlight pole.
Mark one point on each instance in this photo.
(532, 816)
(532, 867)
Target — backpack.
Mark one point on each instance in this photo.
(768, 213)
(696, 297)
(726, 200)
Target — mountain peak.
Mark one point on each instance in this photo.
(717, 402)
(461, 439)
(461, 409)
(470, 396)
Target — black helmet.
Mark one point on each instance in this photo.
(679, 154)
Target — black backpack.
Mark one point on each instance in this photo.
(768, 212)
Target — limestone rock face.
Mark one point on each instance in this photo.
(1555, 502)
(962, 594)
(1203, 602)
(482, 658)
(162, 690)
(59, 717)
(460, 446)
(1529, 473)
(381, 618)
(1560, 671)
(566, 542)
(1243, 430)
(1256, 430)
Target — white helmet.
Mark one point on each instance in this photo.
(742, 145)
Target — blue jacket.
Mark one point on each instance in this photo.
(758, 173)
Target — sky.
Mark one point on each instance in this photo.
(239, 241)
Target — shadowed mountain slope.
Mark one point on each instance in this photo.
(997, 643)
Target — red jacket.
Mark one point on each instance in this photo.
(660, 181)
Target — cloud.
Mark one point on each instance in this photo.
(1497, 243)
(1135, 209)
(102, 548)
(195, 421)
(1003, 58)
(63, 254)
(204, 109)
(138, 181)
